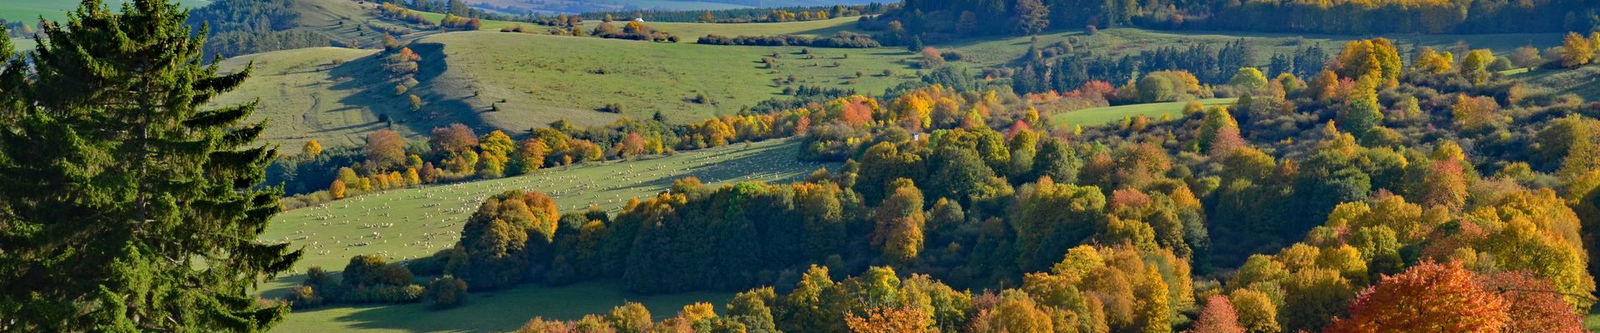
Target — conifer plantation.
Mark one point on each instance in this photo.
(825, 166)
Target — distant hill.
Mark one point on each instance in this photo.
(550, 7)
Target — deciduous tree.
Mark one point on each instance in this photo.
(1430, 297)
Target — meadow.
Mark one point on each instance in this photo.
(1113, 114)
(691, 31)
(56, 10)
(416, 222)
(304, 97)
(1582, 81)
(530, 80)
(497, 311)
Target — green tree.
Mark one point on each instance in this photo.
(1057, 160)
(1249, 79)
(509, 231)
(1363, 112)
(1475, 66)
(446, 292)
(1156, 88)
(124, 204)
(1032, 17)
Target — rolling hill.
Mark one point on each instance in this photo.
(533, 80)
(313, 93)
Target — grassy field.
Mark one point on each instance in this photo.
(1583, 81)
(1122, 41)
(691, 31)
(56, 10)
(497, 311)
(688, 32)
(426, 220)
(543, 78)
(304, 95)
(1112, 114)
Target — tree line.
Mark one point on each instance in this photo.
(739, 15)
(940, 20)
(240, 27)
(843, 39)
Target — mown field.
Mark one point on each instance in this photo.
(533, 80)
(498, 311)
(304, 95)
(1113, 114)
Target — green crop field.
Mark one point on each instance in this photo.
(416, 222)
(501, 310)
(305, 96)
(535, 79)
(1112, 114)
(56, 10)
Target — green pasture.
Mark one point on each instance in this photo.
(531, 80)
(56, 10)
(1112, 114)
(1582, 81)
(498, 311)
(416, 222)
(305, 95)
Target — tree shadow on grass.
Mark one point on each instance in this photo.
(376, 86)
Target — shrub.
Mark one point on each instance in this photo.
(304, 297)
(383, 294)
(446, 292)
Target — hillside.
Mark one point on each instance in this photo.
(543, 78)
(583, 6)
(427, 219)
(314, 93)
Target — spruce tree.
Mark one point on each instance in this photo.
(125, 204)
